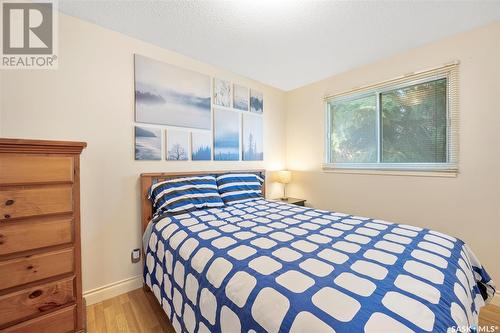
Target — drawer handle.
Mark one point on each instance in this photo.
(7, 216)
(35, 294)
(48, 306)
(9, 202)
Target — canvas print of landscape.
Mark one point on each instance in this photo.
(226, 135)
(201, 146)
(256, 101)
(222, 93)
(177, 145)
(169, 95)
(240, 100)
(253, 144)
(147, 143)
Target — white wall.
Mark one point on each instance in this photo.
(467, 206)
(91, 98)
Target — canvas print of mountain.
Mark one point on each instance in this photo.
(169, 95)
(240, 100)
(147, 143)
(222, 93)
(201, 146)
(252, 138)
(226, 135)
(256, 101)
(177, 145)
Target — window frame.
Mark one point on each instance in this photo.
(448, 72)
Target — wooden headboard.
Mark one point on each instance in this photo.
(148, 179)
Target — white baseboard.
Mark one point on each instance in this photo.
(496, 299)
(113, 289)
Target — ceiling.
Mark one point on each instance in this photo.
(286, 44)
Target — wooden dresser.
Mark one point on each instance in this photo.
(40, 264)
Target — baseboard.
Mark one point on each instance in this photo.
(496, 299)
(113, 289)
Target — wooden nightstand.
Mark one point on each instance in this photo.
(293, 201)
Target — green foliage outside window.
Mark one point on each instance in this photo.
(414, 124)
(412, 120)
(354, 130)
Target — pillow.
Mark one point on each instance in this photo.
(183, 194)
(239, 187)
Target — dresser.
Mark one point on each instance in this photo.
(40, 262)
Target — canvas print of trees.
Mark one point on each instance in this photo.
(177, 145)
(201, 146)
(226, 135)
(256, 101)
(240, 100)
(169, 95)
(253, 147)
(147, 143)
(222, 93)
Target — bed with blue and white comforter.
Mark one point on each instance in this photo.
(265, 266)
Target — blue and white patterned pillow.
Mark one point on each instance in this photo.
(239, 187)
(184, 194)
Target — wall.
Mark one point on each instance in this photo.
(467, 206)
(91, 98)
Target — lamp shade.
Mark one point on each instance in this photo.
(284, 176)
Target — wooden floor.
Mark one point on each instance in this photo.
(490, 316)
(136, 311)
(139, 311)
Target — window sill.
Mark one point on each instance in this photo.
(411, 173)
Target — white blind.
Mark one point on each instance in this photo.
(438, 149)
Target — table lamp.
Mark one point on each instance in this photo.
(284, 177)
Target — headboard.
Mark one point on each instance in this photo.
(148, 179)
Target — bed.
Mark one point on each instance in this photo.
(267, 266)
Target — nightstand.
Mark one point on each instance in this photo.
(293, 201)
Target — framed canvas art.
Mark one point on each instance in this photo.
(226, 135)
(147, 143)
(253, 144)
(241, 97)
(170, 95)
(201, 146)
(256, 101)
(223, 93)
(177, 145)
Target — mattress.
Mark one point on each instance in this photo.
(265, 266)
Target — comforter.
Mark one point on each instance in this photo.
(265, 266)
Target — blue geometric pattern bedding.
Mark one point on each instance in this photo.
(263, 266)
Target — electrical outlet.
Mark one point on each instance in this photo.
(135, 256)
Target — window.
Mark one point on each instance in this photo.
(408, 123)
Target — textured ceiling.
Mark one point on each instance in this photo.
(286, 44)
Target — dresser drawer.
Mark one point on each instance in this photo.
(28, 235)
(25, 202)
(27, 269)
(61, 321)
(35, 301)
(33, 169)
